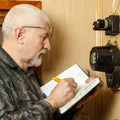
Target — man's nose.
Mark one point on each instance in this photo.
(47, 44)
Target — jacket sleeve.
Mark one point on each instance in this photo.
(9, 110)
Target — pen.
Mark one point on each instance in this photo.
(56, 79)
(44, 95)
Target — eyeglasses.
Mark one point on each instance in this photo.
(50, 29)
(46, 28)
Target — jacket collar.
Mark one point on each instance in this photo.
(6, 58)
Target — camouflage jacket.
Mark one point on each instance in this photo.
(20, 95)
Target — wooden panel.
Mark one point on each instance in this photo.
(72, 39)
(9, 4)
(6, 5)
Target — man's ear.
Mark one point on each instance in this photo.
(19, 34)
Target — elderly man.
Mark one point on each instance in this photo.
(26, 33)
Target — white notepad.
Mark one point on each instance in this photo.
(83, 88)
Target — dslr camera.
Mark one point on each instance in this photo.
(111, 25)
(107, 59)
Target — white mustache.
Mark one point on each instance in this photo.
(43, 51)
(36, 61)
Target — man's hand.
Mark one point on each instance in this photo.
(62, 93)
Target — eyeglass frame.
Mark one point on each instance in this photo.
(50, 29)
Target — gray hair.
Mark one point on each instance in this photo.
(21, 15)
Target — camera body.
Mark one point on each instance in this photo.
(111, 25)
(107, 59)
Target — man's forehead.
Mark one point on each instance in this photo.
(43, 22)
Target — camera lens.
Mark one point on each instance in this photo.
(104, 58)
(100, 24)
